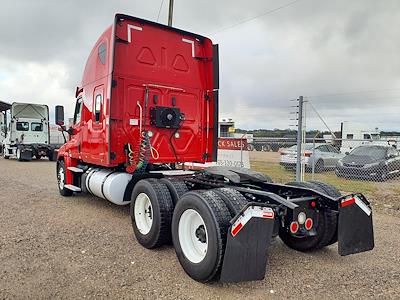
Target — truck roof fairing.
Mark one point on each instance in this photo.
(4, 106)
(29, 110)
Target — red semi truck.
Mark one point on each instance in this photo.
(149, 102)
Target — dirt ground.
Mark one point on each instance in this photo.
(83, 247)
(270, 157)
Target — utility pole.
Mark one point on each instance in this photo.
(170, 12)
(299, 138)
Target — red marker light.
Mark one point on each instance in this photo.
(294, 227)
(308, 224)
(313, 204)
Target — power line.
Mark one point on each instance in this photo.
(253, 18)
(354, 100)
(159, 11)
(355, 92)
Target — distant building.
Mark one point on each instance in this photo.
(226, 127)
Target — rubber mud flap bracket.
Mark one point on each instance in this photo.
(247, 244)
(355, 229)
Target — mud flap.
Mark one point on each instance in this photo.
(26, 154)
(247, 245)
(355, 229)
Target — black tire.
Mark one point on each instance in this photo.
(233, 200)
(265, 148)
(332, 191)
(329, 189)
(325, 231)
(383, 175)
(216, 216)
(177, 188)
(61, 186)
(268, 179)
(19, 154)
(51, 156)
(319, 166)
(162, 209)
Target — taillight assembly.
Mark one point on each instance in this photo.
(308, 223)
(294, 227)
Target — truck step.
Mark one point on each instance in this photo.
(73, 188)
(75, 169)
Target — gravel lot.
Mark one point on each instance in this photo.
(83, 247)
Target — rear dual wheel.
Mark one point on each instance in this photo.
(199, 230)
(326, 229)
(198, 224)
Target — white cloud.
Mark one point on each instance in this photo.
(37, 83)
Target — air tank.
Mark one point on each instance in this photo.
(108, 184)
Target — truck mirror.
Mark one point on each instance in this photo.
(70, 131)
(60, 115)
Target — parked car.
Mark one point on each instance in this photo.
(373, 162)
(324, 157)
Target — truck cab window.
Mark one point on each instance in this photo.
(376, 136)
(36, 126)
(78, 111)
(102, 53)
(22, 126)
(97, 108)
(350, 136)
(367, 137)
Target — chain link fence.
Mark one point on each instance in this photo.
(371, 167)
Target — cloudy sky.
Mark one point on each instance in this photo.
(344, 56)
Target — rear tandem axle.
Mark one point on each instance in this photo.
(221, 220)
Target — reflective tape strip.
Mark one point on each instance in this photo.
(363, 206)
(237, 229)
(359, 203)
(130, 27)
(190, 42)
(348, 202)
(251, 212)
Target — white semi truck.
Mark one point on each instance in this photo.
(27, 133)
(358, 134)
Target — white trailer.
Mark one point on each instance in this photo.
(357, 134)
(27, 135)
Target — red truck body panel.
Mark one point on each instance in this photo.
(135, 67)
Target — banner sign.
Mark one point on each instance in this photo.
(232, 152)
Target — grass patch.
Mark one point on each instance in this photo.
(280, 175)
(275, 171)
(382, 195)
